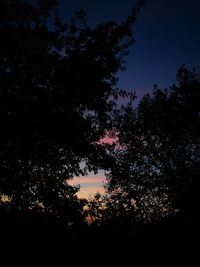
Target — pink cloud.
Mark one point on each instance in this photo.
(87, 180)
(109, 138)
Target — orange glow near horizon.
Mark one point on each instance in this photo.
(90, 192)
(89, 185)
(92, 184)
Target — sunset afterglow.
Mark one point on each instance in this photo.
(89, 185)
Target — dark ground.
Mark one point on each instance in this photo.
(170, 244)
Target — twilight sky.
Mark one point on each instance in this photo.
(167, 35)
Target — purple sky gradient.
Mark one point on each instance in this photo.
(166, 34)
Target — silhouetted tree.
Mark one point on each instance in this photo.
(111, 210)
(57, 89)
(158, 165)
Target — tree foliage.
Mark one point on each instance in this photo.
(57, 89)
(158, 166)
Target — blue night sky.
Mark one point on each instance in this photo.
(167, 35)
